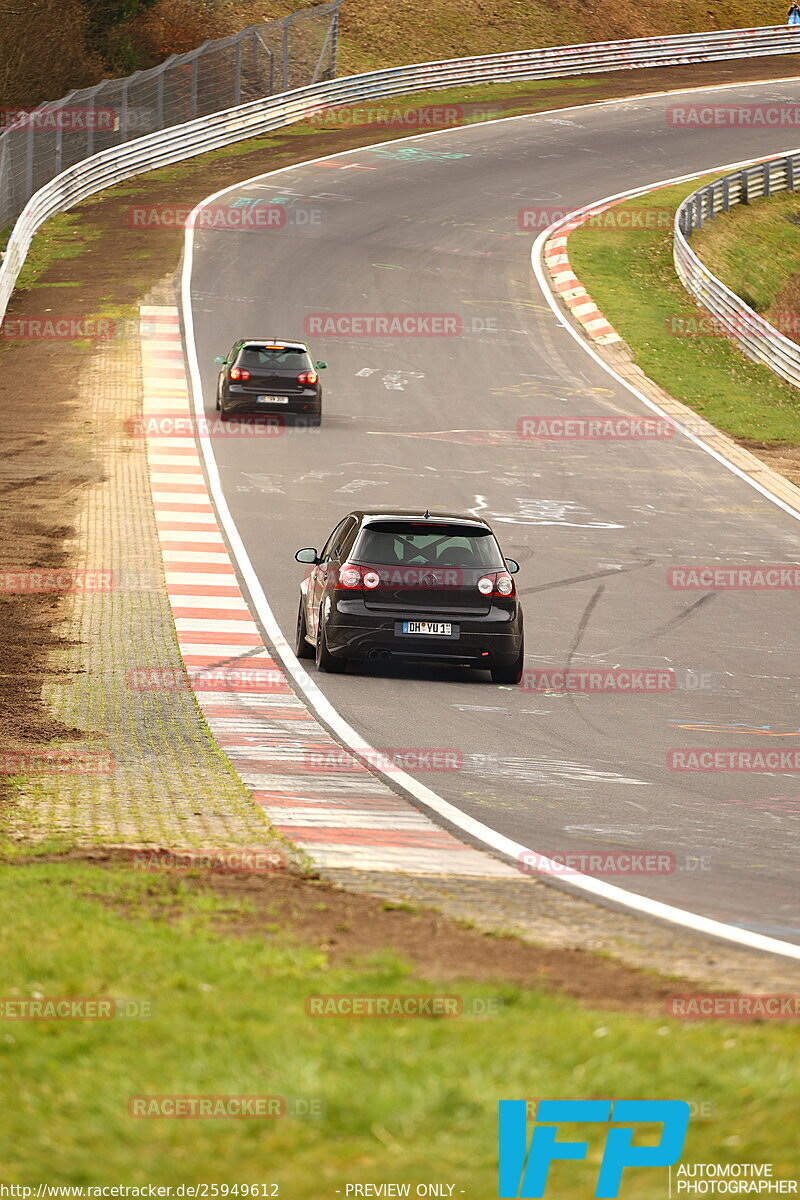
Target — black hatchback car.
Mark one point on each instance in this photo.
(409, 584)
(269, 376)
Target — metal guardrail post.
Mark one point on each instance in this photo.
(29, 159)
(237, 74)
(745, 192)
(259, 41)
(287, 22)
(123, 113)
(335, 40)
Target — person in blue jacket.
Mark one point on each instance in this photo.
(794, 15)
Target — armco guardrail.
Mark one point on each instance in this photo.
(220, 129)
(756, 337)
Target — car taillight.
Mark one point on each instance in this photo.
(239, 373)
(307, 377)
(349, 577)
(500, 584)
(353, 578)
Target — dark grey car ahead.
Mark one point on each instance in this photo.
(411, 585)
(270, 377)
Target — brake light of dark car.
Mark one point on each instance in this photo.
(498, 584)
(239, 373)
(307, 377)
(355, 579)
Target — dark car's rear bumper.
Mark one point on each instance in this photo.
(494, 638)
(237, 400)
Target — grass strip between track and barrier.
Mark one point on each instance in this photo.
(755, 250)
(626, 266)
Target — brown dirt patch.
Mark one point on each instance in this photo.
(783, 459)
(350, 927)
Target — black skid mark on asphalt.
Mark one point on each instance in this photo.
(580, 714)
(671, 624)
(583, 624)
(557, 583)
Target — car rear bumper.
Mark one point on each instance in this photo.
(247, 402)
(481, 640)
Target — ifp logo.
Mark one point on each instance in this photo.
(524, 1169)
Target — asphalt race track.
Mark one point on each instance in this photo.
(430, 225)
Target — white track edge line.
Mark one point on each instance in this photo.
(309, 689)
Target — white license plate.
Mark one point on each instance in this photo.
(436, 628)
(273, 399)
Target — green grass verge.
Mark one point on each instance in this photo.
(630, 275)
(229, 1018)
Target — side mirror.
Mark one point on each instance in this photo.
(320, 365)
(308, 555)
(220, 361)
(513, 566)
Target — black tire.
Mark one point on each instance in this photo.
(303, 648)
(511, 674)
(324, 658)
(314, 420)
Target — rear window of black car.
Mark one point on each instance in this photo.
(287, 358)
(409, 543)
